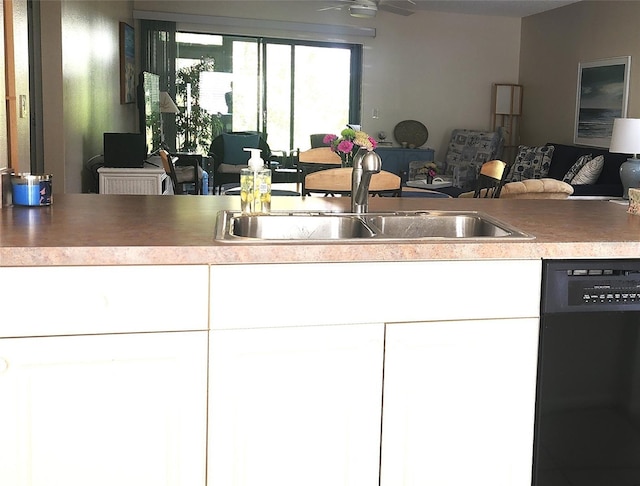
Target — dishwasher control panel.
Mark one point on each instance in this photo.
(590, 285)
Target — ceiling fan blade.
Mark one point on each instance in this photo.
(324, 9)
(394, 10)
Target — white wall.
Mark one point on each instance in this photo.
(81, 84)
(554, 43)
(433, 67)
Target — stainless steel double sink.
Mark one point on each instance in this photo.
(327, 227)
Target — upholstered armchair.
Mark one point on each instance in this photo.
(229, 156)
(466, 152)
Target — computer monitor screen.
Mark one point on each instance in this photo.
(124, 149)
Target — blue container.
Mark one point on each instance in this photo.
(31, 190)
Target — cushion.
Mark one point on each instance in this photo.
(185, 173)
(234, 145)
(231, 168)
(590, 172)
(531, 163)
(575, 168)
(545, 188)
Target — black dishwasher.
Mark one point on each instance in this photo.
(588, 395)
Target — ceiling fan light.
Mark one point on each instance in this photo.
(363, 11)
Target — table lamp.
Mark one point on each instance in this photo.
(625, 139)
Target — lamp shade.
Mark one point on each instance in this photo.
(166, 103)
(625, 138)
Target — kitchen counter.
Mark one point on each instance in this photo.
(92, 229)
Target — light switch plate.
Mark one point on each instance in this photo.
(23, 106)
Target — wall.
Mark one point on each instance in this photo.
(21, 59)
(433, 67)
(553, 43)
(81, 84)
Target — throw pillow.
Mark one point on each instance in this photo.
(590, 172)
(234, 145)
(531, 163)
(575, 168)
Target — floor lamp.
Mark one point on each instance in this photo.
(166, 106)
(625, 139)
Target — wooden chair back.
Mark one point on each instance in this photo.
(169, 168)
(491, 179)
(319, 155)
(338, 182)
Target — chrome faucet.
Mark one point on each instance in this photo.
(365, 164)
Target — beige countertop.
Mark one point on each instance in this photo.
(92, 229)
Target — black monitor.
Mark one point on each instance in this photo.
(124, 149)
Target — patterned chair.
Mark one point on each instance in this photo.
(467, 151)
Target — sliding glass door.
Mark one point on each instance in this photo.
(286, 89)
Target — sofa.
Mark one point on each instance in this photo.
(557, 162)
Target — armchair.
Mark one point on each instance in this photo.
(467, 151)
(229, 156)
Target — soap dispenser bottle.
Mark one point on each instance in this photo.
(255, 185)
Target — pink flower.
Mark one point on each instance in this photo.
(345, 146)
(374, 144)
(329, 138)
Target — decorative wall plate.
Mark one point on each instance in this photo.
(411, 132)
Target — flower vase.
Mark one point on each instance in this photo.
(347, 159)
(429, 179)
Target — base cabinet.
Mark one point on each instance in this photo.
(103, 410)
(294, 406)
(313, 393)
(459, 403)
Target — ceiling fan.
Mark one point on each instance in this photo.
(367, 9)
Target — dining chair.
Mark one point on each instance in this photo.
(490, 179)
(319, 158)
(181, 175)
(337, 182)
(317, 140)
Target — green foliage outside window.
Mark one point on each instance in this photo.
(198, 130)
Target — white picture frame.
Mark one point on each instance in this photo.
(602, 95)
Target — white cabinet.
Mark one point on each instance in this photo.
(297, 405)
(45, 301)
(125, 409)
(295, 381)
(103, 375)
(148, 180)
(459, 403)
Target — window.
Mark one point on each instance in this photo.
(287, 89)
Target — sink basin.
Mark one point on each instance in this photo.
(300, 227)
(340, 227)
(467, 225)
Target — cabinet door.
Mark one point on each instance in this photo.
(459, 403)
(295, 406)
(126, 410)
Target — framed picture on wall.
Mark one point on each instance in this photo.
(603, 89)
(127, 64)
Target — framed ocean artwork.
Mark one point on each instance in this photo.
(602, 93)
